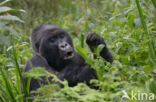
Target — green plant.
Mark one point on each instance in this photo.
(13, 89)
(128, 27)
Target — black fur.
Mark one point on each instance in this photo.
(54, 51)
(93, 40)
(49, 54)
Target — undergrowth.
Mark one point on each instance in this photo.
(128, 27)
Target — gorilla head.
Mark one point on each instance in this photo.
(54, 44)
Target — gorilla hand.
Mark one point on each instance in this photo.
(93, 40)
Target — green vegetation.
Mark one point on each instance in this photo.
(128, 26)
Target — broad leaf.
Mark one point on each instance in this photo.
(5, 9)
(4, 2)
(11, 18)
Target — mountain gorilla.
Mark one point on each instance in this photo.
(54, 51)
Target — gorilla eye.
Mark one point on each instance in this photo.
(61, 35)
(52, 40)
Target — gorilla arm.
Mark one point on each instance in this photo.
(36, 61)
(93, 40)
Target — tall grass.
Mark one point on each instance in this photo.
(130, 38)
(152, 48)
(154, 3)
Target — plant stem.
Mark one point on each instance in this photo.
(19, 72)
(152, 51)
(154, 3)
(7, 83)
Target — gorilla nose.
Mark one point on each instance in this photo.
(66, 50)
(63, 46)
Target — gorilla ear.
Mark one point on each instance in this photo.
(40, 47)
(37, 45)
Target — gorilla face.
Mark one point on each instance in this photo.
(57, 47)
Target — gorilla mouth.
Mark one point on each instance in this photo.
(69, 55)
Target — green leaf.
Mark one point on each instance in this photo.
(6, 9)
(99, 49)
(154, 3)
(11, 18)
(81, 51)
(152, 86)
(36, 72)
(4, 2)
(84, 54)
(11, 30)
(4, 40)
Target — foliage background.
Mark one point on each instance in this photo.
(118, 21)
